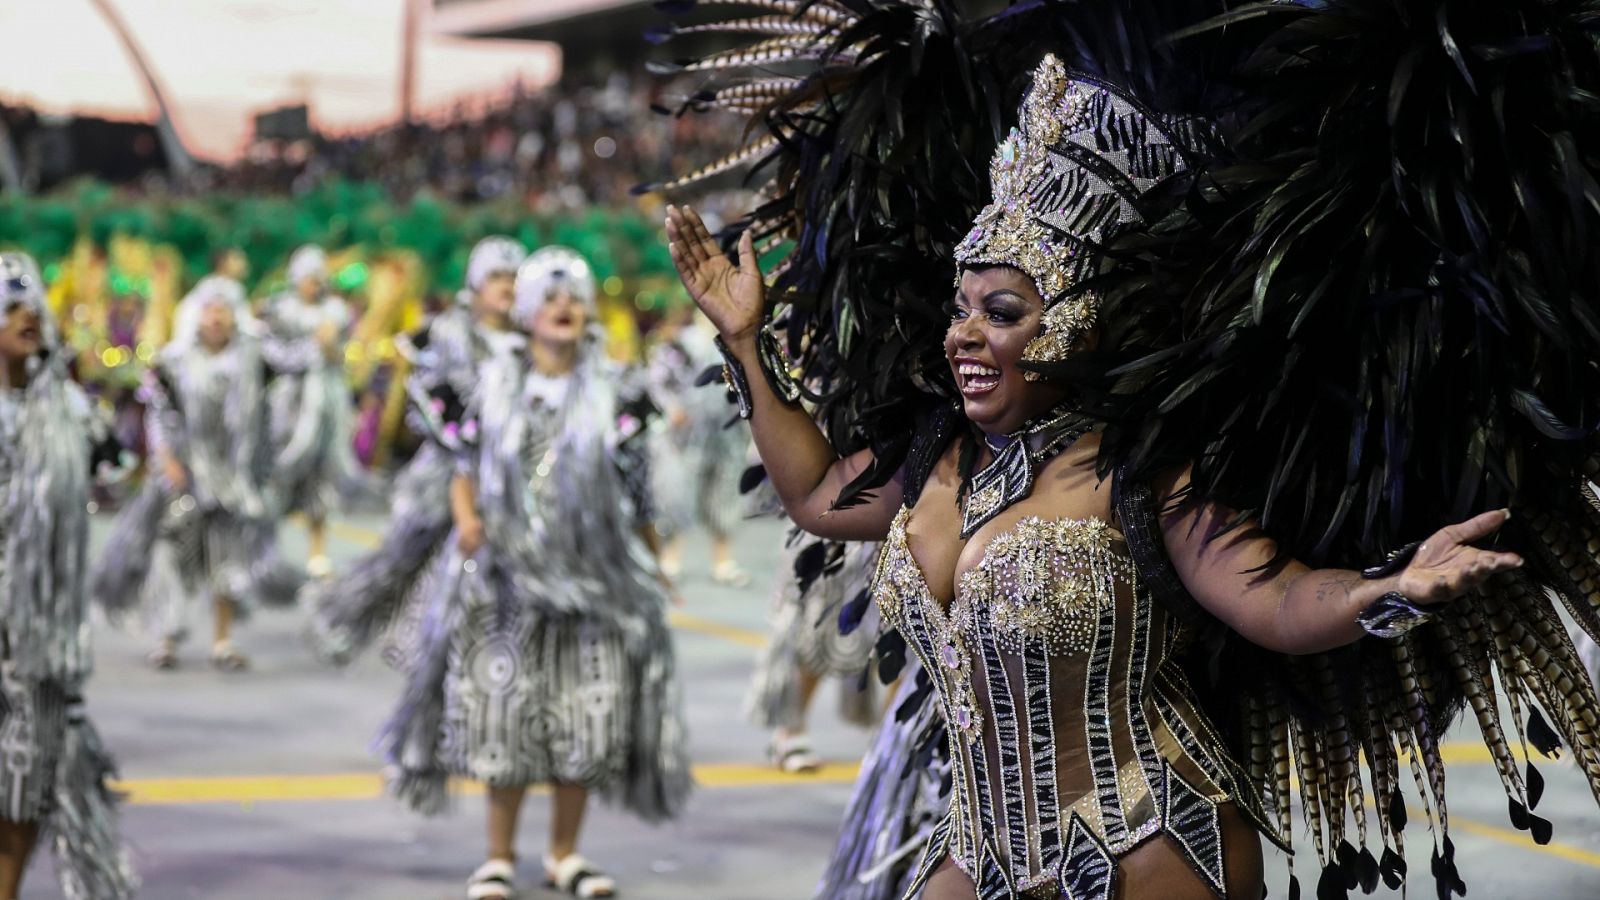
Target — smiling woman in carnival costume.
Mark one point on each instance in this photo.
(1252, 351)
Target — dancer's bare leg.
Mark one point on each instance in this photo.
(495, 877)
(671, 555)
(221, 621)
(317, 530)
(566, 870)
(721, 550)
(949, 883)
(725, 569)
(223, 654)
(17, 840)
(569, 802)
(505, 809)
(806, 687)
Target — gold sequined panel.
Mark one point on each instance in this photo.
(1044, 583)
(897, 578)
(906, 604)
(1071, 737)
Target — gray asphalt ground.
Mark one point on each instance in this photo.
(259, 786)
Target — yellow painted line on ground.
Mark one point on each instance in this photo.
(1517, 839)
(677, 618)
(369, 786)
(367, 539)
(1461, 753)
(249, 790)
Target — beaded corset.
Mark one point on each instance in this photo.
(1073, 733)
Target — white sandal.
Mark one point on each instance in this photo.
(165, 657)
(792, 755)
(494, 880)
(319, 566)
(729, 574)
(576, 876)
(225, 657)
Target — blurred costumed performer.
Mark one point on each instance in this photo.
(545, 656)
(446, 356)
(204, 527)
(313, 417)
(231, 262)
(1250, 352)
(53, 769)
(698, 456)
(898, 802)
(818, 584)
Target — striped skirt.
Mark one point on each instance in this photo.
(546, 700)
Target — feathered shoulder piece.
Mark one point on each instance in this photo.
(1378, 315)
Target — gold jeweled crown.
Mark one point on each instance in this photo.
(1067, 179)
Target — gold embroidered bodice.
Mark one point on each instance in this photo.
(1072, 731)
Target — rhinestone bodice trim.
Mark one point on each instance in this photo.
(1072, 730)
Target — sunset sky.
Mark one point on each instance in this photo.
(223, 60)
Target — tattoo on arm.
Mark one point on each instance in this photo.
(1336, 586)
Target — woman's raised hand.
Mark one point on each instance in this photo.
(1447, 565)
(732, 297)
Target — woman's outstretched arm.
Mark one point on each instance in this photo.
(804, 469)
(1290, 607)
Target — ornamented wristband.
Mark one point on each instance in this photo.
(734, 377)
(775, 365)
(1391, 616)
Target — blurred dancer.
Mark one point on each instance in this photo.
(546, 657)
(898, 799)
(230, 262)
(821, 626)
(52, 767)
(698, 457)
(349, 611)
(203, 528)
(313, 420)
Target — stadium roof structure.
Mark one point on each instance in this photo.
(580, 27)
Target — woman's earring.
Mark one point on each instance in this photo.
(1059, 329)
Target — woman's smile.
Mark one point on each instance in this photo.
(975, 377)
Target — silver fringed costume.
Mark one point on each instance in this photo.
(547, 658)
(381, 588)
(816, 582)
(313, 419)
(53, 768)
(697, 457)
(168, 549)
(898, 800)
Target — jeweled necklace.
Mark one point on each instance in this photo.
(1009, 477)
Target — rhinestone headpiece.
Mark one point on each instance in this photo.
(1065, 181)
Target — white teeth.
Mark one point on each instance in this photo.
(970, 369)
